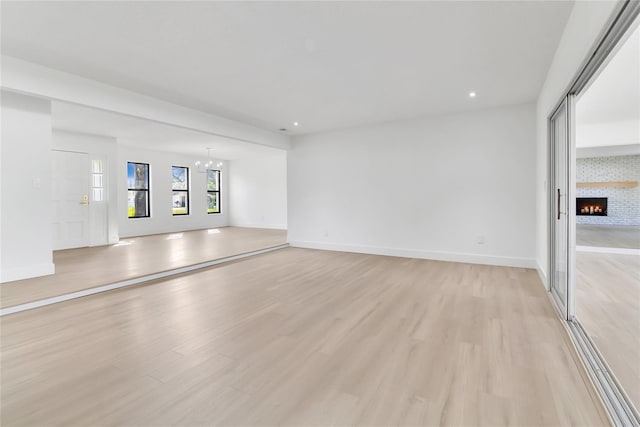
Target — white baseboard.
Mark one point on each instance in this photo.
(27, 272)
(543, 275)
(601, 250)
(415, 253)
(269, 226)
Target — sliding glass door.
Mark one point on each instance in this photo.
(608, 293)
(561, 249)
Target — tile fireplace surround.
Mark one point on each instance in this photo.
(623, 202)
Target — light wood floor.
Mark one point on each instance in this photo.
(300, 337)
(608, 236)
(608, 306)
(79, 269)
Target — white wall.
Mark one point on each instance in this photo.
(98, 147)
(606, 134)
(586, 22)
(428, 188)
(25, 222)
(258, 191)
(161, 220)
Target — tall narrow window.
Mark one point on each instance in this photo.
(138, 186)
(213, 191)
(97, 181)
(180, 187)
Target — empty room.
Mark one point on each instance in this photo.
(319, 213)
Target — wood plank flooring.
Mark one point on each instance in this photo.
(300, 337)
(608, 236)
(608, 306)
(84, 268)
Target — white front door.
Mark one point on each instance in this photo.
(70, 199)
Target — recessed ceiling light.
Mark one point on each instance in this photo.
(472, 94)
(296, 123)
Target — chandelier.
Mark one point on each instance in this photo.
(203, 166)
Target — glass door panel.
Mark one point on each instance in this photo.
(560, 204)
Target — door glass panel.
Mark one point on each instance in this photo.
(559, 282)
(98, 194)
(96, 166)
(607, 289)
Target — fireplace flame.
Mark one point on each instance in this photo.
(591, 209)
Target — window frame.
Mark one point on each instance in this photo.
(173, 191)
(216, 192)
(146, 190)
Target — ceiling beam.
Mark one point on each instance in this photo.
(36, 80)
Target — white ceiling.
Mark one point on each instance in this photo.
(608, 111)
(609, 151)
(135, 132)
(328, 65)
(614, 95)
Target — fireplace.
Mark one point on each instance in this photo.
(591, 206)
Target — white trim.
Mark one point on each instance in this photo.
(571, 212)
(131, 282)
(543, 275)
(268, 226)
(602, 250)
(26, 272)
(416, 253)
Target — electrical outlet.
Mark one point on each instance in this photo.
(481, 240)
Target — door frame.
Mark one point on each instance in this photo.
(567, 309)
(622, 19)
(619, 408)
